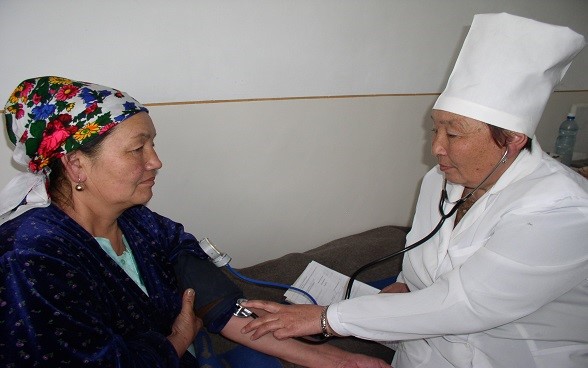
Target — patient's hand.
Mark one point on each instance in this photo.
(397, 287)
(186, 325)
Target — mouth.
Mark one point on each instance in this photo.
(444, 167)
(150, 181)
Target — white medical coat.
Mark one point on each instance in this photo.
(507, 287)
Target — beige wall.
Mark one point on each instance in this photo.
(265, 178)
(272, 174)
(262, 179)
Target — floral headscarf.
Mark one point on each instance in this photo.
(48, 117)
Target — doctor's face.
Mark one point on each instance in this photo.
(465, 150)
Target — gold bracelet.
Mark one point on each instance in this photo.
(324, 323)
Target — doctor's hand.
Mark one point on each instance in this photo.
(397, 287)
(186, 325)
(284, 321)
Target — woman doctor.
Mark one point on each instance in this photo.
(504, 282)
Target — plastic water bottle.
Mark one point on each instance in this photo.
(564, 144)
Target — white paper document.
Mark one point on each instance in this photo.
(326, 286)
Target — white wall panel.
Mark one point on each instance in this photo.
(184, 50)
(264, 178)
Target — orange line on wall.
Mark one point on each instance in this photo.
(201, 102)
(286, 99)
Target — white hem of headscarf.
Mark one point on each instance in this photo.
(24, 185)
(486, 114)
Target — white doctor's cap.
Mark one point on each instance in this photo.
(507, 69)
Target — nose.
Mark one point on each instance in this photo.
(438, 146)
(153, 162)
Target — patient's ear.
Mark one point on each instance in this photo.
(73, 168)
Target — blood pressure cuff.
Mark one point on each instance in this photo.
(216, 294)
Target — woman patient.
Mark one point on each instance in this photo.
(87, 270)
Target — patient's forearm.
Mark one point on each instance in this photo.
(307, 355)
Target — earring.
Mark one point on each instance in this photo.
(79, 187)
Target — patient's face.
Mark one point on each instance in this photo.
(123, 173)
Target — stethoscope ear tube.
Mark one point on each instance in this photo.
(402, 251)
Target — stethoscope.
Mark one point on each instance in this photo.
(221, 259)
(444, 216)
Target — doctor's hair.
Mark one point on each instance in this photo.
(59, 187)
(502, 136)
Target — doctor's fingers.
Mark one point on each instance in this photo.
(290, 321)
(267, 306)
(262, 326)
(299, 312)
(281, 327)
